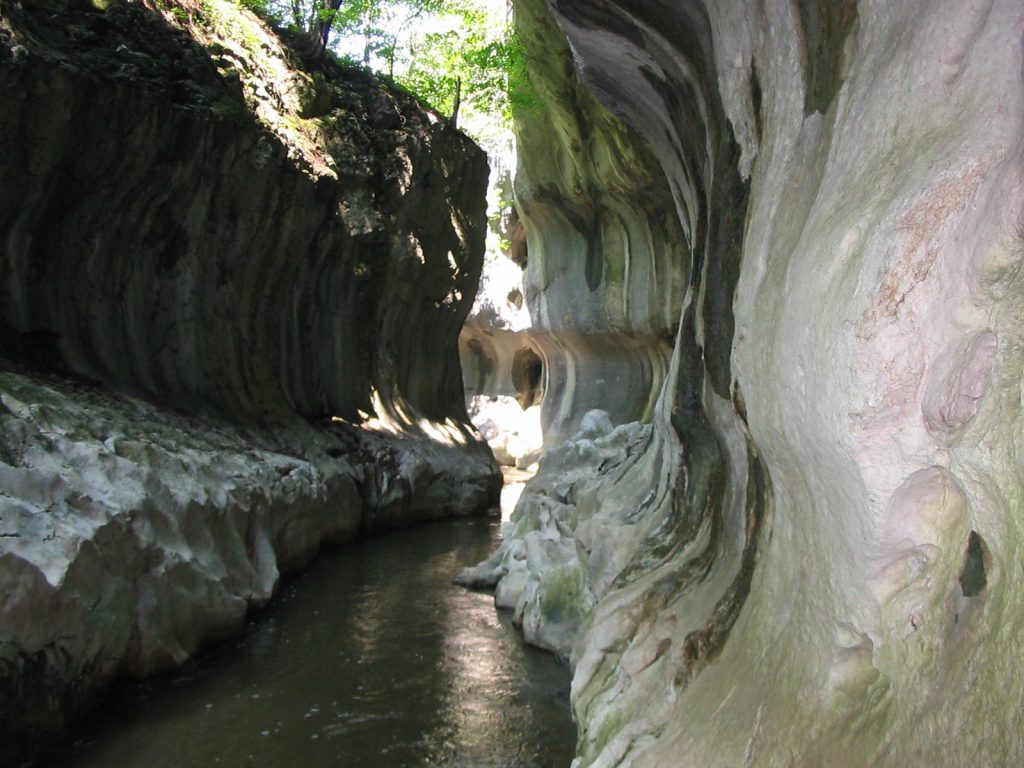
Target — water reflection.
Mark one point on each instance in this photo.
(373, 659)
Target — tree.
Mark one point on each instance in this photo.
(452, 54)
(470, 67)
(322, 16)
(372, 20)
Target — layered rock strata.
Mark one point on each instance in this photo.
(812, 561)
(565, 374)
(603, 251)
(259, 213)
(269, 265)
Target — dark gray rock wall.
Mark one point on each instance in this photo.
(191, 251)
(230, 294)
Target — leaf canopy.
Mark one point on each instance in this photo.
(458, 56)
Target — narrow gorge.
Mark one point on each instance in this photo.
(772, 262)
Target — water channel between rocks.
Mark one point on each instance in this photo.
(371, 658)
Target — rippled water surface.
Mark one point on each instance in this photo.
(372, 658)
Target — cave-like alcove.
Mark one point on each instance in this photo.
(527, 377)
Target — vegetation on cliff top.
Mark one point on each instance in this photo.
(460, 57)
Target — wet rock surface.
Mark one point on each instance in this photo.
(131, 535)
(553, 562)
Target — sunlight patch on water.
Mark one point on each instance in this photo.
(372, 658)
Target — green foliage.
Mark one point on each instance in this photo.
(463, 64)
(262, 7)
(467, 63)
(451, 54)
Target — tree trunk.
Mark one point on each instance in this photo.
(320, 25)
(454, 121)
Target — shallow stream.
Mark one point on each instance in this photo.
(371, 658)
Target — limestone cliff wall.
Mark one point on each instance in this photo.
(812, 556)
(230, 291)
(260, 215)
(566, 373)
(606, 256)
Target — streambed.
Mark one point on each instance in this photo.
(371, 658)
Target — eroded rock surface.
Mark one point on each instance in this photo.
(230, 290)
(812, 561)
(191, 215)
(559, 549)
(130, 535)
(604, 252)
